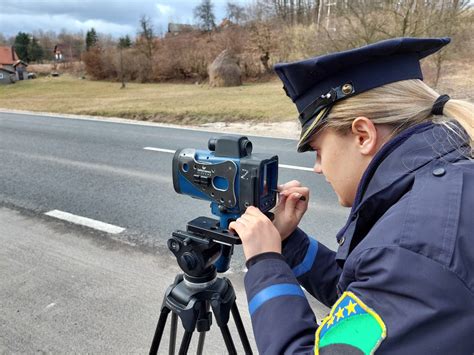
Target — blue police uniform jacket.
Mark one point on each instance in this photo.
(402, 280)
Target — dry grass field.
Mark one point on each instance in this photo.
(169, 103)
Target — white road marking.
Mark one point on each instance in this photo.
(84, 221)
(160, 150)
(294, 167)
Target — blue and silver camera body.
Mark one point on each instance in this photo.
(232, 179)
(228, 175)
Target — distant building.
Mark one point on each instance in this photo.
(8, 57)
(13, 68)
(226, 23)
(7, 76)
(62, 53)
(58, 54)
(176, 28)
(20, 68)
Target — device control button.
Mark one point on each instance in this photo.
(439, 172)
(205, 180)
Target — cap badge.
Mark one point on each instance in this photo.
(347, 89)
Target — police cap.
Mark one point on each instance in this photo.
(316, 84)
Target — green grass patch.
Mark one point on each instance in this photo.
(170, 103)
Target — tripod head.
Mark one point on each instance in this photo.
(198, 248)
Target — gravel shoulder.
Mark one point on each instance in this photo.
(283, 129)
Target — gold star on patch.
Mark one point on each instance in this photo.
(340, 313)
(330, 322)
(351, 308)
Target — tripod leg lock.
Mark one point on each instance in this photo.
(204, 324)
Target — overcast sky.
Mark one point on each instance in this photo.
(115, 17)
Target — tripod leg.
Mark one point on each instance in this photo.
(229, 343)
(173, 330)
(241, 329)
(160, 327)
(183, 349)
(202, 336)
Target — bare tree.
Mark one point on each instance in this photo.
(263, 42)
(363, 22)
(146, 45)
(295, 12)
(3, 40)
(204, 15)
(235, 13)
(47, 41)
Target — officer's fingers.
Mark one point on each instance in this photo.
(255, 219)
(235, 223)
(252, 211)
(304, 191)
(246, 220)
(292, 183)
(292, 200)
(301, 192)
(239, 227)
(301, 189)
(281, 199)
(233, 226)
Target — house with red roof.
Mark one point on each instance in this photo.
(7, 76)
(11, 66)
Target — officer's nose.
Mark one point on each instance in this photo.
(317, 165)
(317, 168)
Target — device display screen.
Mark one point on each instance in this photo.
(265, 181)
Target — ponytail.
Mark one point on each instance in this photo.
(401, 105)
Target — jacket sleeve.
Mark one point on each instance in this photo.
(314, 265)
(282, 320)
(396, 300)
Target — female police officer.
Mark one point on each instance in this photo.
(402, 280)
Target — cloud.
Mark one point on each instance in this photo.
(57, 23)
(115, 17)
(165, 10)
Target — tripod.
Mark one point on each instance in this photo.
(194, 293)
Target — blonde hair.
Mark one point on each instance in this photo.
(401, 105)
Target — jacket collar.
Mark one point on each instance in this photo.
(390, 175)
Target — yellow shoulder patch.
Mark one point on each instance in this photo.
(351, 324)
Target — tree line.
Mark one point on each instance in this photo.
(262, 33)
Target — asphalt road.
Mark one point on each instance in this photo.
(100, 170)
(69, 288)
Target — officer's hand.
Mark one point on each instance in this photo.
(292, 205)
(257, 232)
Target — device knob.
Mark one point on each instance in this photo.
(189, 260)
(174, 245)
(211, 144)
(245, 147)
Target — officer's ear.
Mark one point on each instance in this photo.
(366, 137)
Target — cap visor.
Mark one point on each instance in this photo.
(309, 129)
